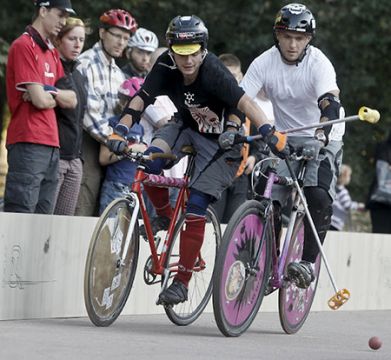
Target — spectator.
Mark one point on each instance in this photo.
(104, 79)
(70, 42)
(120, 172)
(343, 204)
(32, 141)
(140, 48)
(380, 211)
(236, 194)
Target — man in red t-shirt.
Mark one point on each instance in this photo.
(32, 137)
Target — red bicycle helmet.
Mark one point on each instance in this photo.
(119, 18)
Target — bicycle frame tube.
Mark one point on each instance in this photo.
(288, 236)
(157, 180)
(268, 213)
(179, 208)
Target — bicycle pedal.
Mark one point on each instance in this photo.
(163, 303)
(286, 281)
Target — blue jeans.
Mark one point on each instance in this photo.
(111, 190)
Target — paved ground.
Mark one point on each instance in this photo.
(326, 335)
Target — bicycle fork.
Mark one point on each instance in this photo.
(134, 203)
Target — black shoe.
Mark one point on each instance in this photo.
(176, 293)
(301, 273)
(158, 223)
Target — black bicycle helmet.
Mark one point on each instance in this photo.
(184, 30)
(295, 17)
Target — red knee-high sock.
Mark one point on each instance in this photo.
(160, 200)
(190, 244)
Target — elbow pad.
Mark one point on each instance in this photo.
(329, 106)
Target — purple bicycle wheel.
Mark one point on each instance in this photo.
(295, 303)
(238, 287)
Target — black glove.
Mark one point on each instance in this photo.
(311, 149)
(227, 139)
(276, 140)
(117, 142)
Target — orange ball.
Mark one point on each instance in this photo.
(374, 343)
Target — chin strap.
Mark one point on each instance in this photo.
(174, 66)
(299, 59)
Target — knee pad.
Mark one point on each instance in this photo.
(198, 203)
(320, 207)
(156, 166)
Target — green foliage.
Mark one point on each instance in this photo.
(355, 35)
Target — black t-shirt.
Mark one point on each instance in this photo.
(202, 105)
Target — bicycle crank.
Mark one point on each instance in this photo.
(149, 276)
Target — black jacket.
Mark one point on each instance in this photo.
(70, 121)
(382, 152)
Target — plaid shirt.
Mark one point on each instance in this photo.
(104, 79)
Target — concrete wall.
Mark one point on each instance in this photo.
(42, 269)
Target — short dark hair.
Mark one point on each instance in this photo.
(230, 60)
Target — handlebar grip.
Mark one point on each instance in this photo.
(367, 114)
(239, 139)
(153, 156)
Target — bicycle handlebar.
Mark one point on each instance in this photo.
(141, 157)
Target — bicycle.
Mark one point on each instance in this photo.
(249, 264)
(114, 248)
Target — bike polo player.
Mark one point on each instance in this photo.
(210, 104)
(301, 83)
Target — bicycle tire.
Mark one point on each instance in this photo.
(200, 286)
(107, 282)
(294, 304)
(237, 296)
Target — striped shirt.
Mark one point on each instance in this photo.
(341, 207)
(104, 78)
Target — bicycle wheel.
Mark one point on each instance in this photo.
(200, 286)
(109, 273)
(294, 303)
(239, 290)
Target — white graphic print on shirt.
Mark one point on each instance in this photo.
(207, 120)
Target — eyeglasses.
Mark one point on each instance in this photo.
(118, 37)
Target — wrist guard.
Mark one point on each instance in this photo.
(136, 115)
(233, 124)
(121, 130)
